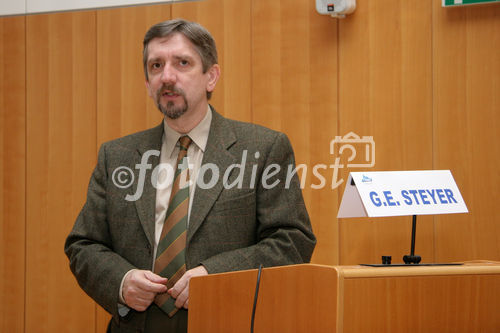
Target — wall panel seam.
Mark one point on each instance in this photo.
(252, 119)
(25, 163)
(433, 123)
(96, 54)
(339, 195)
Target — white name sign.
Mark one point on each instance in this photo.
(397, 193)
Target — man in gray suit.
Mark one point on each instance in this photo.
(245, 202)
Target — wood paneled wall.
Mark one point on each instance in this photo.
(422, 80)
(385, 90)
(60, 149)
(12, 173)
(466, 119)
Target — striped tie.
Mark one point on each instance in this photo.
(170, 259)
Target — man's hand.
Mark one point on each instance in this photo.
(140, 288)
(180, 291)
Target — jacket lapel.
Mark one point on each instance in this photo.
(146, 203)
(220, 138)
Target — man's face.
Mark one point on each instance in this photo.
(176, 80)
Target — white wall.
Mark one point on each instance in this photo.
(13, 7)
(20, 7)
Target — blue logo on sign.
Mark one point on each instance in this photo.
(366, 179)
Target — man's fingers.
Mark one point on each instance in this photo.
(155, 277)
(149, 286)
(182, 299)
(141, 304)
(145, 299)
(138, 299)
(150, 282)
(180, 291)
(179, 286)
(140, 288)
(135, 293)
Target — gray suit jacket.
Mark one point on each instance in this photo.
(229, 228)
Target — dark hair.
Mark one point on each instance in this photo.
(198, 35)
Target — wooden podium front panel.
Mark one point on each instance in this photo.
(211, 311)
(324, 299)
(301, 298)
(422, 299)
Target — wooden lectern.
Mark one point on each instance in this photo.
(315, 298)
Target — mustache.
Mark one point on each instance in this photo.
(171, 88)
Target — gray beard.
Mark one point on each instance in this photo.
(172, 111)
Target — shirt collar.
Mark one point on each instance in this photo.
(199, 134)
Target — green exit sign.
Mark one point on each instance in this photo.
(450, 3)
